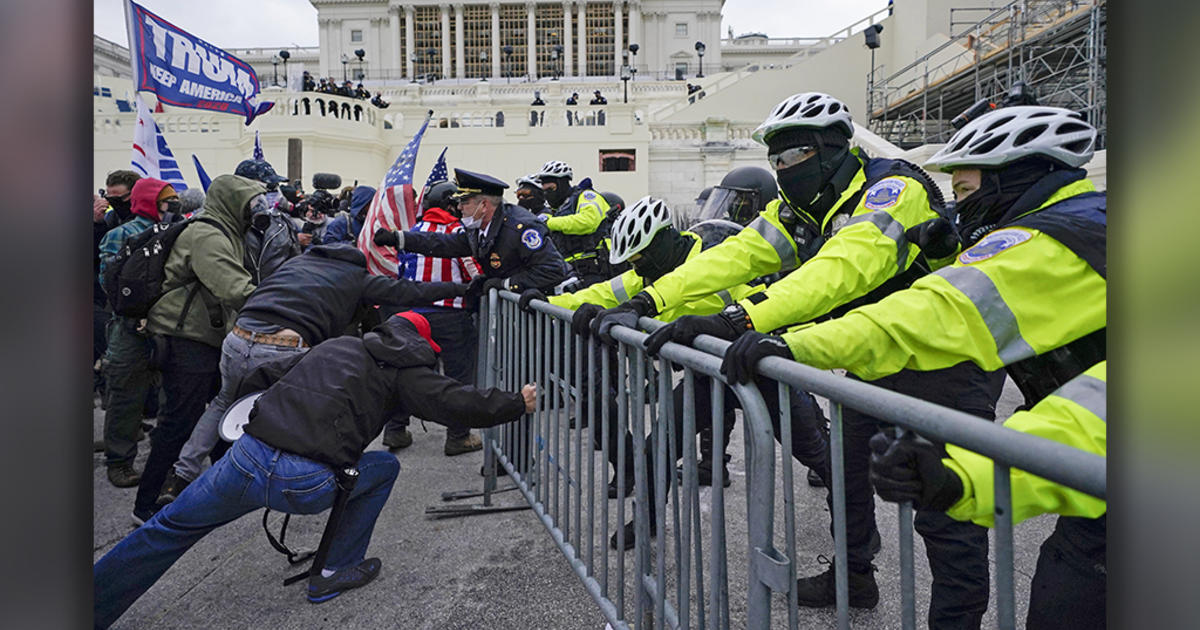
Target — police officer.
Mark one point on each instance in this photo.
(575, 219)
(1033, 231)
(509, 242)
(741, 196)
(530, 195)
(844, 216)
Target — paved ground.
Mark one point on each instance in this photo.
(496, 571)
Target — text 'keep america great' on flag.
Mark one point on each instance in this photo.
(186, 71)
(394, 207)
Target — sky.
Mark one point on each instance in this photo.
(270, 23)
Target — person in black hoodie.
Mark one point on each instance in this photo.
(309, 299)
(319, 412)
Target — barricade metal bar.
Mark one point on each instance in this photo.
(606, 384)
(689, 490)
(577, 346)
(719, 593)
(554, 421)
(760, 490)
(1005, 606)
(789, 501)
(908, 597)
(663, 443)
(666, 417)
(840, 563)
(643, 612)
(669, 616)
(639, 465)
(488, 376)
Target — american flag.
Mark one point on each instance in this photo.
(394, 207)
(438, 174)
(151, 156)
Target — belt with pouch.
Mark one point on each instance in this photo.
(285, 338)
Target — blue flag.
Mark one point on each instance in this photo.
(438, 174)
(205, 180)
(258, 152)
(186, 71)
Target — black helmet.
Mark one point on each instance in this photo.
(438, 196)
(742, 194)
(615, 202)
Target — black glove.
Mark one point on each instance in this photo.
(581, 321)
(728, 324)
(386, 238)
(936, 237)
(743, 355)
(479, 287)
(911, 469)
(620, 315)
(528, 296)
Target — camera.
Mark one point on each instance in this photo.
(321, 200)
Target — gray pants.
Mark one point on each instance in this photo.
(238, 357)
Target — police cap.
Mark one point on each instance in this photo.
(477, 184)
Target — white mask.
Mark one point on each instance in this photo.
(471, 221)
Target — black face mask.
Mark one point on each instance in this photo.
(801, 183)
(999, 189)
(666, 251)
(561, 191)
(535, 201)
(121, 207)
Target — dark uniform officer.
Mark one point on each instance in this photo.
(510, 244)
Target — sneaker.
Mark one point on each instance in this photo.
(820, 591)
(457, 446)
(323, 589)
(814, 479)
(397, 439)
(630, 536)
(141, 516)
(171, 489)
(124, 476)
(612, 485)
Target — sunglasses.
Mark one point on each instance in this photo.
(790, 157)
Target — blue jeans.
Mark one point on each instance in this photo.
(238, 357)
(251, 475)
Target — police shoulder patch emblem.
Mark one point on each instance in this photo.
(993, 244)
(589, 195)
(884, 194)
(531, 238)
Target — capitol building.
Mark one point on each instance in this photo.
(480, 67)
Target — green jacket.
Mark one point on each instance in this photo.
(204, 259)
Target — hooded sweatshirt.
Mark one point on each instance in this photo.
(207, 260)
(329, 403)
(143, 203)
(345, 229)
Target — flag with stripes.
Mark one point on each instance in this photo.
(151, 156)
(394, 207)
(438, 174)
(258, 152)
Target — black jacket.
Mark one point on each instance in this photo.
(515, 248)
(329, 403)
(317, 293)
(270, 241)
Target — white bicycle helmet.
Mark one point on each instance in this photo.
(554, 168)
(636, 226)
(1006, 135)
(530, 180)
(807, 109)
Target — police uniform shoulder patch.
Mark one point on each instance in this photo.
(993, 244)
(589, 195)
(884, 194)
(531, 238)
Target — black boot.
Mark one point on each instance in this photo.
(820, 591)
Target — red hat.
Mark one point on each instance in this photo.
(422, 325)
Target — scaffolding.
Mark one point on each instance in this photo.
(1057, 47)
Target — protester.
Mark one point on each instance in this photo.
(311, 421)
(345, 227)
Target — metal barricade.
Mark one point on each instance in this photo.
(682, 575)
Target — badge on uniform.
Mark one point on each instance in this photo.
(494, 260)
(589, 195)
(531, 238)
(993, 244)
(884, 194)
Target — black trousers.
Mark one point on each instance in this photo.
(809, 446)
(454, 330)
(1068, 590)
(190, 378)
(957, 551)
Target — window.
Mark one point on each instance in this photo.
(356, 35)
(681, 69)
(618, 160)
(681, 29)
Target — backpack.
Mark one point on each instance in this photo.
(134, 279)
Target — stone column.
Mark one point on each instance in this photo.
(495, 6)
(530, 41)
(568, 48)
(410, 43)
(325, 45)
(582, 6)
(460, 66)
(618, 45)
(445, 42)
(397, 65)
(635, 29)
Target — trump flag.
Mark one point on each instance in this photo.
(394, 207)
(186, 71)
(151, 156)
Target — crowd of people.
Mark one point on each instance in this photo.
(829, 257)
(330, 85)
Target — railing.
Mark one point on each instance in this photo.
(682, 576)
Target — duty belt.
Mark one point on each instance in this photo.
(270, 339)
